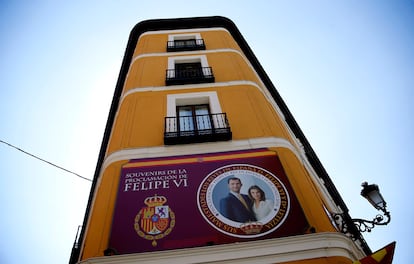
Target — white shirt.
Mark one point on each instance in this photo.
(265, 208)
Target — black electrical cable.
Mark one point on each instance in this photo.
(48, 162)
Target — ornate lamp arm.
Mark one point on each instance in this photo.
(366, 225)
(361, 224)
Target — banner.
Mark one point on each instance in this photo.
(201, 200)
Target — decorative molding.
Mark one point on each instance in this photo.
(184, 53)
(173, 60)
(190, 30)
(197, 148)
(173, 37)
(210, 98)
(188, 86)
(294, 248)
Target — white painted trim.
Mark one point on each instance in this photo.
(167, 54)
(186, 59)
(197, 148)
(187, 86)
(190, 30)
(277, 250)
(172, 61)
(210, 98)
(174, 37)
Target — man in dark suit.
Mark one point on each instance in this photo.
(236, 206)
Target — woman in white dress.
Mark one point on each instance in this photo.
(261, 207)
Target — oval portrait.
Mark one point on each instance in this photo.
(243, 200)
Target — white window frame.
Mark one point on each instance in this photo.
(184, 36)
(172, 61)
(210, 98)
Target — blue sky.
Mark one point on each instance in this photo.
(344, 68)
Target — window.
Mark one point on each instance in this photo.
(195, 117)
(181, 43)
(188, 69)
(185, 42)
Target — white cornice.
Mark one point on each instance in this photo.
(197, 148)
(294, 248)
(182, 53)
(190, 30)
(188, 86)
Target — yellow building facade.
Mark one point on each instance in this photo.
(194, 112)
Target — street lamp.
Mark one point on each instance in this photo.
(372, 194)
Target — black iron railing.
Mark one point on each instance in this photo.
(187, 76)
(199, 128)
(186, 45)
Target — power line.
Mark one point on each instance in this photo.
(48, 162)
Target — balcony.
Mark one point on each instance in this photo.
(199, 128)
(188, 76)
(185, 45)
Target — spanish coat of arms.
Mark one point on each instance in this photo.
(156, 220)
